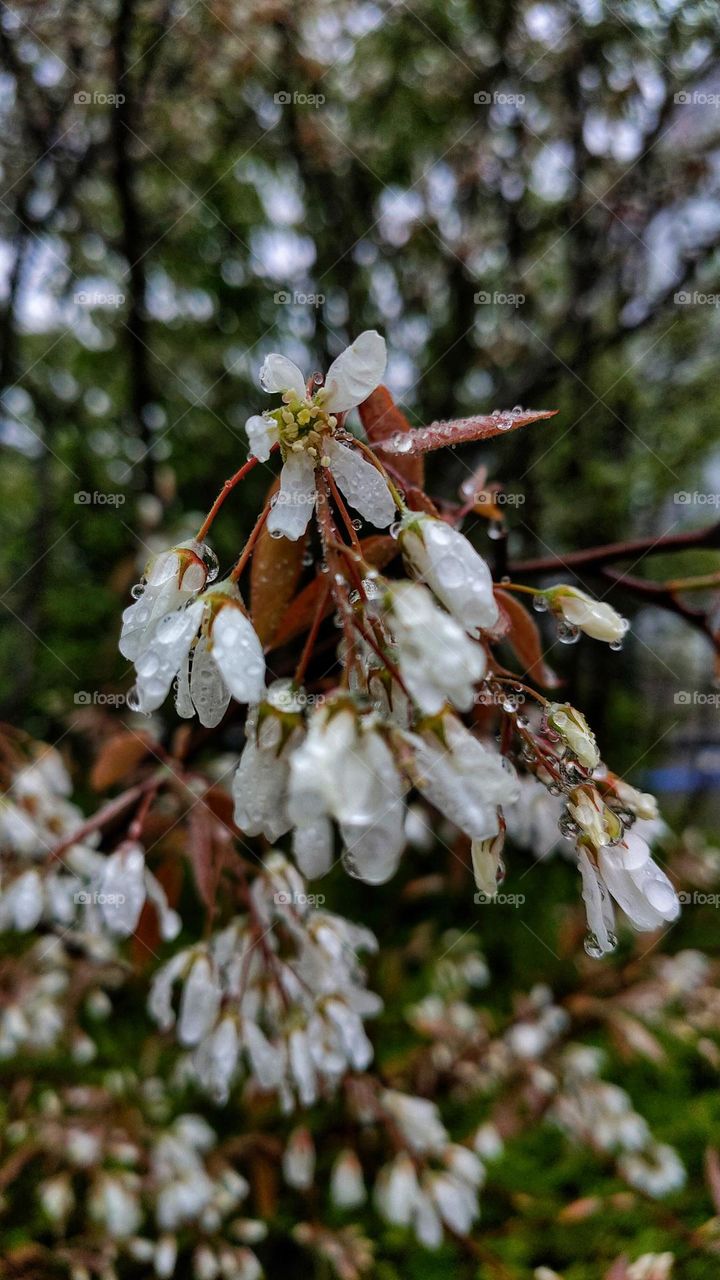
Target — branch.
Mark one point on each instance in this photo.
(599, 557)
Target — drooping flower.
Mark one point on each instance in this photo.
(438, 662)
(211, 646)
(171, 580)
(444, 559)
(347, 1185)
(594, 617)
(260, 786)
(305, 428)
(345, 770)
(461, 777)
(627, 872)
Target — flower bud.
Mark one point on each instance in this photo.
(593, 617)
(598, 824)
(572, 727)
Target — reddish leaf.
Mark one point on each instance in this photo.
(524, 637)
(382, 419)
(200, 847)
(118, 757)
(274, 575)
(378, 550)
(443, 435)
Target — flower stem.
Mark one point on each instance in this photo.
(227, 487)
(250, 544)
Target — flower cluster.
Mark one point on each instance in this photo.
(278, 994)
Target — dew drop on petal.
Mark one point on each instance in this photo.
(568, 634)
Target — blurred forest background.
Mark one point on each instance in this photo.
(523, 197)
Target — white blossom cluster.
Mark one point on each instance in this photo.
(148, 1191)
(277, 995)
(601, 1116)
(84, 891)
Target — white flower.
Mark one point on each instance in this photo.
(261, 780)
(637, 884)
(462, 778)
(171, 580)
(593, 617)
(305, 430)
(298, 1162)
(445, 560)
(396, 1190)
(438, 662)
(344, 770)
(641, 803)
(419, 1120)
(347, 1186)
(597, 823)
(225, 659)
(114, 1202)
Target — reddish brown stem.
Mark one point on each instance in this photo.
(226, 489)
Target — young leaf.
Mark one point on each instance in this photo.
(523, 636)
(274, 574)
(443, 435)
(383, 420)
(118, 757)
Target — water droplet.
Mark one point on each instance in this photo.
(616, 644)
(592, 947)
(357, 524)
(495, 530)
(568, 634)
(137, 590)
(540, 604)
(210, 561)
(395, 529)
(276, 533)
(132, 699)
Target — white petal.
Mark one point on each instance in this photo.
(262, 434)
(199, 1003)
(356, 372)
(208, 690)
(313, 847)
(238, 654)
(158, 665)
(362, 484)
(280, 374)
(183, 701)
(296, 498)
